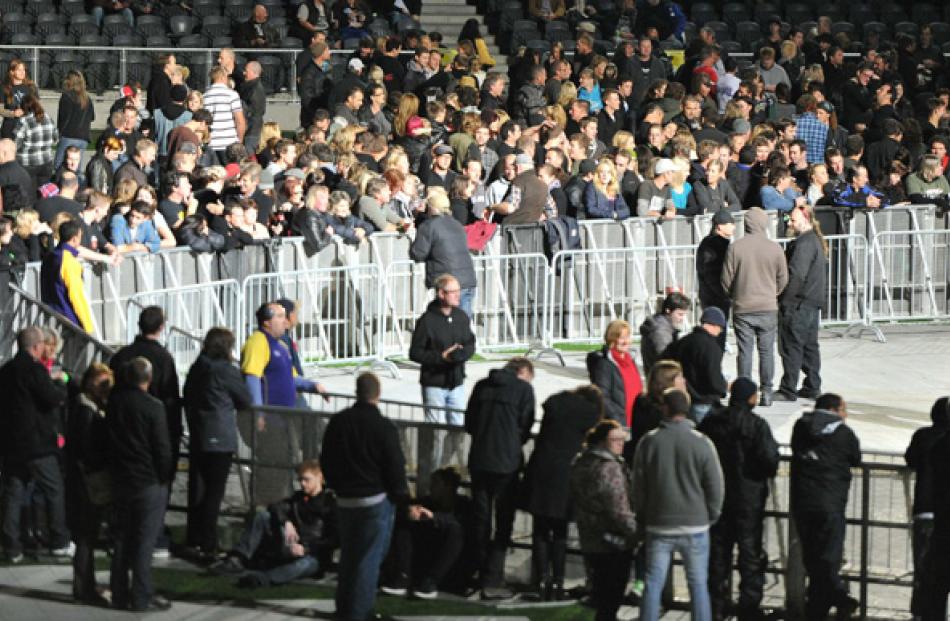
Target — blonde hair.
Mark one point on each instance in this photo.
(615, 330)
(345, 138)
(26, 219)
(624, 140)
(270, 129)
(929, 168)
(438, 201)
(567, 95)
(556, 114)
(408, 108)
(124, 191)
(612, 188)
(57, 221)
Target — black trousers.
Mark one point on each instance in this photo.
(548, 549)
(744, 531)
(609, 574)
(139, 515)
(822, 535)
(426, 549)
(493, 492)
(922, 534)
(936, 578)
(207, 480)
(798, 346)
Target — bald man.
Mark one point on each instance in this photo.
(17, 185)
(254, 100)
(256, 32)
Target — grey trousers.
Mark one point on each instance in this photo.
(757, 331)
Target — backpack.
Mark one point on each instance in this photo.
(561, 233)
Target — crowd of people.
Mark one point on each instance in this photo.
(434, 144)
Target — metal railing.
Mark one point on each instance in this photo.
(910, 275)
(877, 550)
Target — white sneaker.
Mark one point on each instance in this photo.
(161, 553)
(68, 552)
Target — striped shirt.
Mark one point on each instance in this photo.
(222, 102)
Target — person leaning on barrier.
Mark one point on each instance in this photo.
(663, 328)
(754, 273)
(824, 450)
(614, 371)
(800, 307)
(920, 457)
(600, 490)
(214, 393)
(498, 418)
(568, 415)
(441, 243)
(364, 465)
(749, 457)
(61, 285)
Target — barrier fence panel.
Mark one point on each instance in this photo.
(339, 311)
(190, 312)
(910, 275)
(404, 298)
(511, 301)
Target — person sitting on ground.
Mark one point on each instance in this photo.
(294, 538)
(426, 553)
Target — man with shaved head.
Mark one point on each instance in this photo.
(254, 101)
(256, 32)
(17, 185)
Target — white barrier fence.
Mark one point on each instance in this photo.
(910, 276)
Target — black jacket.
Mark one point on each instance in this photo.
(314, 518)
(72, 119)
(879, 156)
(361, 455)
(140, 452)
(605, 374)
(710, 256)
(748, 455)
(567, 417)
(30, 412)
(575, 190)
(214, 393)
(164, 386)
(647, 414)
(919, 456)
(807, 273)
(434, 333)
(99, 174)
(442, 244)
(824, 449)
(313, 92)
(312, 225)
(254, 101)
(701, 356)
(499, 416)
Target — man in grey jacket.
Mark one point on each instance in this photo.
(661, 329)
(754, 274)
(678, 493)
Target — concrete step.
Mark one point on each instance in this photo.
(432, 20)
(460, 9)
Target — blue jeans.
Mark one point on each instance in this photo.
(98, 14)
(698, 411)
(61, 151)
(47, 476)
(694, 549)
(444, 443)
(261, 530)
(364, 541)
(467, 301)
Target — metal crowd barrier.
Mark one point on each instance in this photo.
(910, 275)
(878, 555)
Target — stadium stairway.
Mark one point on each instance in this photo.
(448, 16)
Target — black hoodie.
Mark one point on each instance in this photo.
(499, 416)
(434, 333)
(824, 449)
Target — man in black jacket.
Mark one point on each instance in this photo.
(32, 399)
(709, 259)
(824, 449)
(141, 465)
(499, 416)
(442, 342)
(701, 357)
(799, 307)
(919, 456)
(254, 100)
(163, 386)
(314, 89)
(749, 457)
(363, 463)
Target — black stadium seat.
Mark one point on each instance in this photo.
(11, 6)
(908, 28)
(557, 31)
(115, 25)
(131, 39)
(721, 29)
(150, 25)
(35, 7)
(861, 14)
(49, 23)
(879, 27)
(216, 26)
(845, 27)
(60, 39)
(24, 38)
(17, 23)
(182, 26)
(138, 68)
(158, 41)
(796, 13)
(891, 14)
(71, 8)
(238, 10)
(941, 32)
(222, 41)
(83, 25)
(734, 12)
(203, 8)
(93, 40)
(271, 72)
(703, 12)
(102, 72)
(64, 61)
(748, 33)
(923, 13)
(731, 47)
(193, 40)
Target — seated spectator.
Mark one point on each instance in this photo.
(195, 233)
(602, 197)
(351, 229)
(101, 8)
(256, 32)
(134, 231)
(426, 553)
(294, 538)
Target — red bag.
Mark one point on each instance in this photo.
(479, 233)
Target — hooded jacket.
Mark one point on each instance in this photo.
(499, 416)
(824, 449)
(442, 244)
(30, 413)
(748, 454)
(807, 273)
(918, 456)
(701, 356)
(434, 333)
(754, 272)
(214, 393)
(600, 492)
(656, 332)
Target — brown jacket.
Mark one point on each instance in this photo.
(755, 271)
(534, 196)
